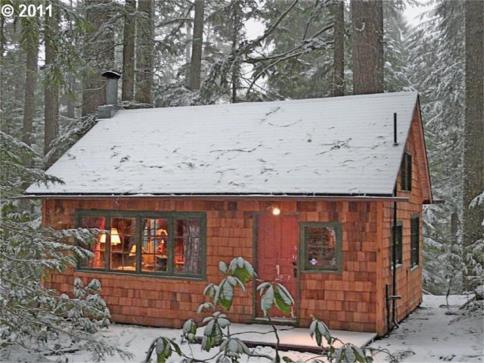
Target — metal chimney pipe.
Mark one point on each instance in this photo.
(111, 87)
(395, 139)
(109, 109)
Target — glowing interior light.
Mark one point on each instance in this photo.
(276, 211)
(115, 240)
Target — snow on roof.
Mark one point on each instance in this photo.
(339, 145)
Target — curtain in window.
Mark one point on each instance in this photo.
(191, 246)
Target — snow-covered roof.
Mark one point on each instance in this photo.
(339, 145)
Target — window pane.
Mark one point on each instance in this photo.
(98, 245)
(415, 240)
(154, 253)
(320, 245)
(123, 244)
(397, 240)
(187, 246)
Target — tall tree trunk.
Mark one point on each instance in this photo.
(98, 52)
(236, 27)
(2, 38)
(51, 84)
(338, 9)
(367, 21)
(474, 126)
(144, 52)
(30, 45)
(128, 51)
(197, 43)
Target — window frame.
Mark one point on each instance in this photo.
(339, 246)
(415, 241)
(397, 225)
(406, 172)
(171, 217)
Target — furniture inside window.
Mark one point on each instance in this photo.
(406, 172)
(397, 248)
(414, 241)
(321, 246)
(147, 243)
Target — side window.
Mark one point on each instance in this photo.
(98, 245)
(414, 241)
(406, 172)
(321, 246)
(397, 236)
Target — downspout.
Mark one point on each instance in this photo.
(391, 316)
(394, 296)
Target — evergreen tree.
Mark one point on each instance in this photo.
(473, 183)
(33, 317)
(437, 73)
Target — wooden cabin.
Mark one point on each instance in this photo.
(323, 195)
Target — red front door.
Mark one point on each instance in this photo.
(277, 254)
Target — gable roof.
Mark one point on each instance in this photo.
(328, 146)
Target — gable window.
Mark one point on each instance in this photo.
(406, 172)
(414, 241)
(146, 243)
(321, 246)
(397, 237)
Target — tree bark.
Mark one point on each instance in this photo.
(339, 51)
(367, 24)
(197, 43)
(236, 25)
(128, 51)
(51, 84)
(473, 183)
(2, 38)
(98, 52)
(144, 52)
(31, 49)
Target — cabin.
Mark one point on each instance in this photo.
(323, 195)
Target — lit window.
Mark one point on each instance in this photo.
(165, 243)
(154, 252)
(122, 239)
(187, 246)
(322, 246)
(98, 245)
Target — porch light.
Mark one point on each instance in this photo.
(115, 240)
(276, 211)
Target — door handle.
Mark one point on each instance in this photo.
(294, 268)
(278, 270)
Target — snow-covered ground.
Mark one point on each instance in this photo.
(428, 335)
(431, 334)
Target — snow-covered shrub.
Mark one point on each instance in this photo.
(216, 326)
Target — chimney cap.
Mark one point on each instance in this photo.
(111, 74)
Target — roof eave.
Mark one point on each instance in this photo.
(313, 196)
